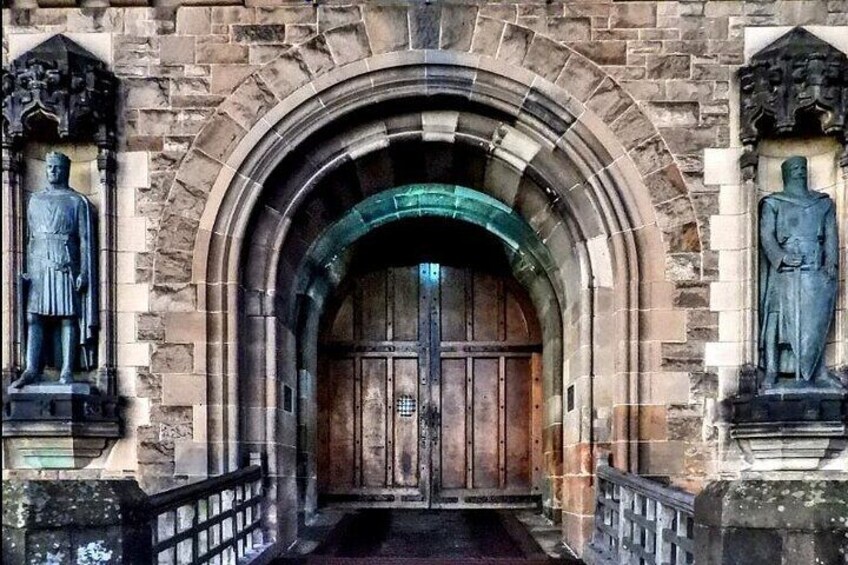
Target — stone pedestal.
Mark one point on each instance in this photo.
(50, 426)
(75, 522)
(752, 522)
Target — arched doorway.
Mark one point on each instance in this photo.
(430, 374)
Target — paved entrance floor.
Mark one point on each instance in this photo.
(413, 537)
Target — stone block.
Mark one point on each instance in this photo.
(214, 49)
(570, 29)
(259, 33)
(514, 44)
(721, 166)
(457, 27)
(748, 522)
(602, 52)
(609, 101)
(133, 354)
(546, 58)
(669, 66)
(183, 390)
(633, 15)
(176, 50)
(75, 521)
(335, 16)
(224, 78)
(150, 92)
(286, 73)
(249, 103)
(194, 20)
(487, 36)
(172, 358)
(424, 26)
(286, 15)
(190, 458)
(132, 298)
(580, 77)
(348, 43)
(132, 169)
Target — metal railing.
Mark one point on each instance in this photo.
(640, 522)
(216, 521)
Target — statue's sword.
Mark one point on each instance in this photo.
(798, 323)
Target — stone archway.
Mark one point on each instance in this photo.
(586, 169)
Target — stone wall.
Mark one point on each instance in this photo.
(665, 68)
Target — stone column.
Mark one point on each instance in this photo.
(751, 522)
(75, 522)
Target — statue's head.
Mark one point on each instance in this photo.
(58, 168)
(794, 171)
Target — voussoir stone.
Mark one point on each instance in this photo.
(316, 54)
(514, 44)
(487, 36)
(546, 58)
(249, 102)
(632, 127)
(348, 43)
(388, 28)
(580, 77)
(199, 171)
(286, 73)
(424, 26)
(609, 101)
(651, 155)
(220, 136)
(457, 27)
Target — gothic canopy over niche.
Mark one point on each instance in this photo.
(796, 85)
(59, 84)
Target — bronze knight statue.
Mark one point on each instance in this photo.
(60, 283)
(798, 279)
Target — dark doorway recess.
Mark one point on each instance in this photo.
(412, 537)
(429, 376)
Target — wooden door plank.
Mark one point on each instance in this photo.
(435, 381)
(453, 423)
(373, 309)
(406, 428)
(453, 305)
(341, 433)
(502, 422)
(426, 295)
(485, 423)
(405, 305)
(536, 447)
(486, 307)
(373, 422)
(518, 418)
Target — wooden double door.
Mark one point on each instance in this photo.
(429, 391)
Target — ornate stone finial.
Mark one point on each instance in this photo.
(796, 85)
(61, 83)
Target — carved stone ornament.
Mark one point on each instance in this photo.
(796, 85)
(60, 82)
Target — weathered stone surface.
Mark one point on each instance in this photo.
(609, 101)
(69, 521)
(388, 28)
(172, 358)
(335, 16)
(633, 128)
(316, 54)
(514, 44)
(651, 155)
(669, 66)
(285, 74)
(176, 50)
(570, 29)
(546, 58)
(754, 521)
(217, 49)
(580, 77)
(487, 36)
(602, 52)
(633, 14)
(424, 26)
(286, 15)
(457, 27)
(249, 103)
(267, 33)
(198, 171)
(348, 43)
(146, 93)
(194, 20)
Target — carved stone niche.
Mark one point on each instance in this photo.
(798, 86)
(794, 89)
(58, 93)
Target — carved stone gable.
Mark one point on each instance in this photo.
(61, 83)
(796, 85)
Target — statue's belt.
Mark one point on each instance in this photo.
(52, 236)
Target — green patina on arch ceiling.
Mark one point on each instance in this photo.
(532, 265)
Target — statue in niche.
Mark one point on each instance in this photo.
(60, 283)
(798, 279)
